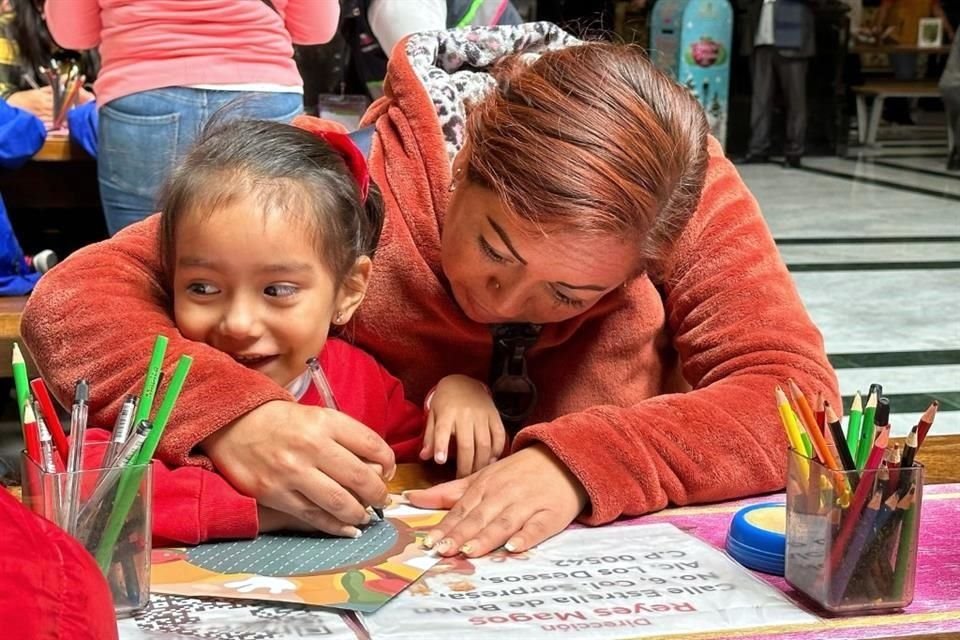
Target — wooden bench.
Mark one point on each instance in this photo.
(882, 89)
(10, 311)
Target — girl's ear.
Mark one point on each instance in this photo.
(352, 290)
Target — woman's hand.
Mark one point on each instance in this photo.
(517, 502)
(317, 465)
(462, 407)
(39, 102)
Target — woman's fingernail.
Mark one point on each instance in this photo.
(392, 473)
(512, 545)
(428, 542)
(466, 549)
(444, 544)
(351, 532)
(441, 457)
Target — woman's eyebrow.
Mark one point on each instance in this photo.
(506, 240)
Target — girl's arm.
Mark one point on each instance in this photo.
(740, 329)
(312, 21)
(74, 24)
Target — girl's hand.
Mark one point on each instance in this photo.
(39, 102)
(318, 465)
(463, 407)
(517, 502)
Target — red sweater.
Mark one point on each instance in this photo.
(194, 504)
(647, 397)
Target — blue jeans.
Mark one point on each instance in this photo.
(144, 135)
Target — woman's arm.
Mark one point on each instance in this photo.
(740, 329)
(312, 21)
(74, 24)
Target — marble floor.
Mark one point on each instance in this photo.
(881, 229)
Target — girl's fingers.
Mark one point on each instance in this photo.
(465, 453)
(498, 436)
(481, 444)
(427, 452)
(441, 439)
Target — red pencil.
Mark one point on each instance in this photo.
(820, 413)
(50, 418)
(31, 439)
(926, 421)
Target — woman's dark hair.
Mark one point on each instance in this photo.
(286, 170)
(595, 140)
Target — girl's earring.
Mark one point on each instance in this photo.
(339, 318)
(453, 182)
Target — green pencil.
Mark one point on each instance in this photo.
(130, 481)
(853, 425)
(905, 550)
(867, 431)
(20, 379)
(150, 382)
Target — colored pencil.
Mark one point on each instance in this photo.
(905, 550)
(926, 421)
(836, 429)
(820, 413)
(868, 429)
(813, 430)
(853, 551)
(853, 425)
(20, 379)
(51, 418)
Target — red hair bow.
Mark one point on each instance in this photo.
(345, 148)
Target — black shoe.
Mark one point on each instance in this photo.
(792, 162)
(754, 158)
(953, 162)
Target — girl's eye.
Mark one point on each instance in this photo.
(490, 252)
(567, 300)
(280, 290)
(202, 289)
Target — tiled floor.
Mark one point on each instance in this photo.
(873, 242)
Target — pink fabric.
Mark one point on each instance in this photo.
(149, 44)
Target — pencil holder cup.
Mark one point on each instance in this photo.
(108, 512)
(852, 536)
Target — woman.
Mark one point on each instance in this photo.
(168, 66)
(567, 197)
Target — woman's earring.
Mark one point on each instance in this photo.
(339, 318)
(453, 182)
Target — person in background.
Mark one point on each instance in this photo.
(168, 66)
(950, 90)
(781, 42)
(25, 46)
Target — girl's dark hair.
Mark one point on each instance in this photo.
(30, 31)
(287, 170)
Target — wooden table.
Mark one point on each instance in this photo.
(59, 148)
(10, 310)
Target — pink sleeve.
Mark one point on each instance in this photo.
(74, 24)
(312, 21)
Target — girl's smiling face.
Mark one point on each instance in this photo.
(250, 283)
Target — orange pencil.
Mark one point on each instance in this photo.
(816, 436)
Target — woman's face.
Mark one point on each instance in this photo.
(504, 270)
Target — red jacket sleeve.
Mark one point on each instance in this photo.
(114, 296)
(740, 329)
(190, 504)
(367, 392)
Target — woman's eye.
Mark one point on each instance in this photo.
(202, 288)
(280, 290)
(566, 300)
(490, 252)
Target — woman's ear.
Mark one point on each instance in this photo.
(352, 290)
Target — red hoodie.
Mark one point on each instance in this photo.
(193, 504)
(661, 392)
